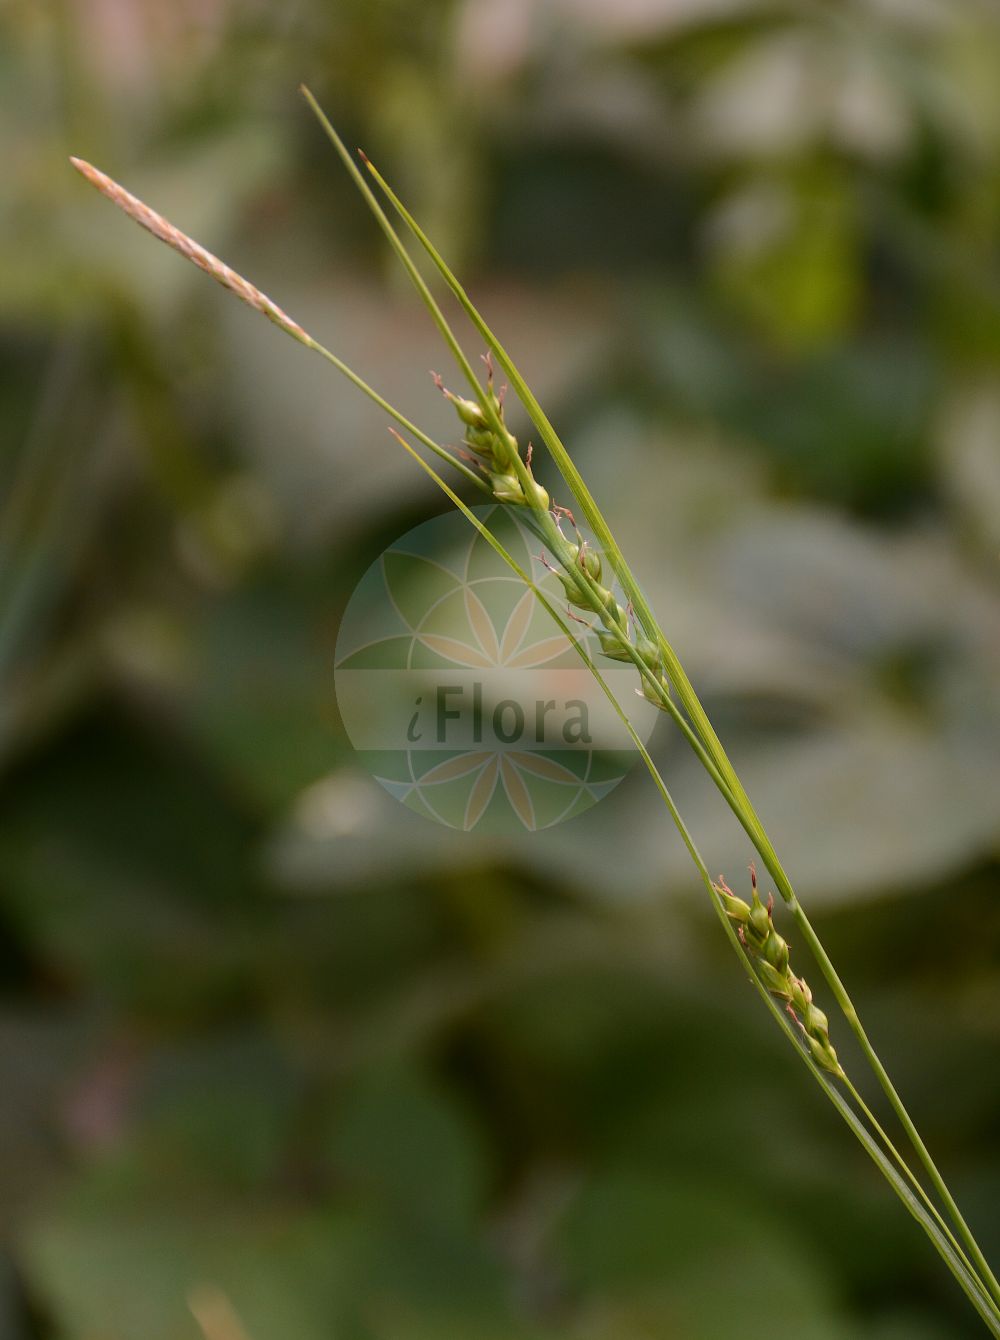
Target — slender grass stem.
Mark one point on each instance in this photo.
(908, 1173)
(928, 1218)
(442, 452)
(417, 279)
(695, 726)
(906, 1121)
(722, 772)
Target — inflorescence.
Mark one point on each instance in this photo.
(769, 954)
(495, 449)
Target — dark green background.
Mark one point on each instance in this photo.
(262, 1032)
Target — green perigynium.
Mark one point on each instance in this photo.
(579, 568)
(754, 922)
(628, 632)
(495, 449)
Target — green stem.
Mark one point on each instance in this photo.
(908, 1174)
(391, 410)
(723, 770)
(906, 1121)
(416, 278)
(702, 738)
(931, 1222)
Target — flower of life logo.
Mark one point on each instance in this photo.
(464, 699)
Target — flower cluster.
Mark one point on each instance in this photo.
(581, 569)
(769, 952)
(496, 452)
(581, 580)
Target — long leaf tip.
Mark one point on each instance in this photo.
(312, 100)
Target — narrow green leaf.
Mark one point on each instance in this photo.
(939, 1235)
(722, 771)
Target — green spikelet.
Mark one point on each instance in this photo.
(496, 450)
(769, 953)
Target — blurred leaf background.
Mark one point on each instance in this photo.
(272, 1048)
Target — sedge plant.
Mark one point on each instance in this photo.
(601, 588)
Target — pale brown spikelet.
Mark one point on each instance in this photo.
(166, 232)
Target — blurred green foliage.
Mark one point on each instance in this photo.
(261, 1030)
